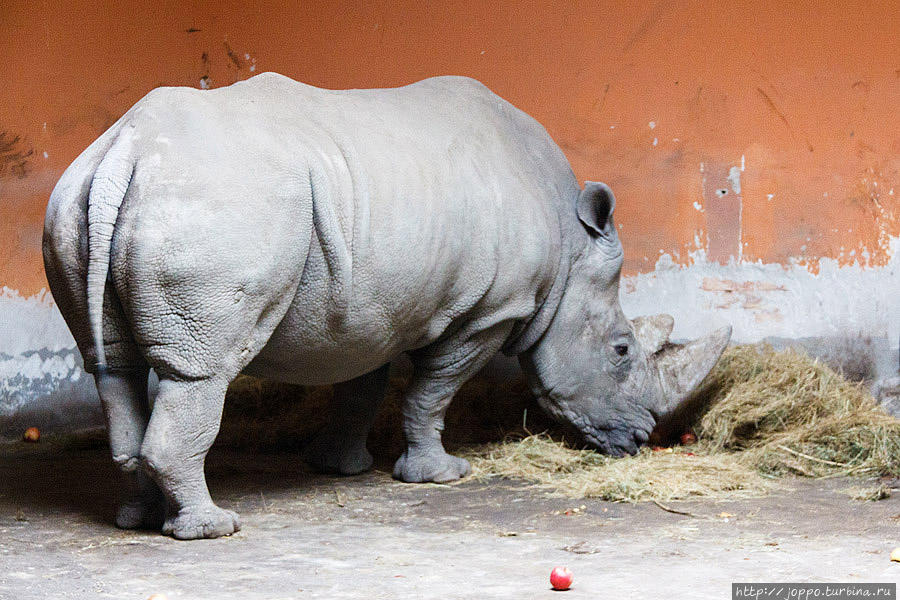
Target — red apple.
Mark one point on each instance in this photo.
(688, 438)
(560, 578)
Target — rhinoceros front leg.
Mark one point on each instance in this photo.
(184, 423)
(340, 447)
(124, 398)
(439, 372)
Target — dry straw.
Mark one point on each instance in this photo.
(649, 475)
(760, 414)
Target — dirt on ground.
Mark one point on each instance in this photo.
(313, 536)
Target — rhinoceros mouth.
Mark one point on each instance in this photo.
(614, 441)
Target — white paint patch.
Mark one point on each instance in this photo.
(38, 357)
(32, 366)
(697, 206)
(46, 156)
(734, 177)
(763, 300)
(655, 141)
(652, 124)
(31, 323)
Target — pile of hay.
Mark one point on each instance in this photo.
(660, 475)
(761, 414)
(787, 413)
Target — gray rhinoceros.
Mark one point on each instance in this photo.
(311, 236)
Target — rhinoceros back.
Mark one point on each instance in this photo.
(448, 203)
(365, 222)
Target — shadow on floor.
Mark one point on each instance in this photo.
(80, 479)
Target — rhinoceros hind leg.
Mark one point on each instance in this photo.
(146, 510)
(340, 447)
(440, 370)
(184, 423)
(124, 397)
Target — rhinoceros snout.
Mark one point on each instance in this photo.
(623, 441)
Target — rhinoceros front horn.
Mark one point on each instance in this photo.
(681, 369)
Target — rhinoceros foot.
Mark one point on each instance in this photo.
(204, 522)
(341, 454)
(433, 464)
(149, 513)
(144, 507)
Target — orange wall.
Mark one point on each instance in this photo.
(806, 96)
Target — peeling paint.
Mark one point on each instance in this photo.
(734, 177)
(29, 323)
(769, 300)
(26, 376)
(42, 378)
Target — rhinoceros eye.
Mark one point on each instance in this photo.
(619, 351)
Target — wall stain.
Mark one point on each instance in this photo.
(600, 102)
(877, 220)
(235, 59)
(772, 107)
(15, 155)
(98, 117)
(649, 23)
(204, 78)
(722, 211)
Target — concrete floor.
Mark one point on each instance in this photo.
(309, 536)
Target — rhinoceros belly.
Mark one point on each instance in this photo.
(317, 344)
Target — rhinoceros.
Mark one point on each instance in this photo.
(312, 236)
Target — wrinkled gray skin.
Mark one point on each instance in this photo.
(311, 236)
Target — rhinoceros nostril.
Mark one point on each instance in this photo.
(641, 436)
(630, 448)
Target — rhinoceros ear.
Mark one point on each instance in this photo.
(653, 332)
(595, 208)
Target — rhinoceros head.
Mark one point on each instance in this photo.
(609, 377)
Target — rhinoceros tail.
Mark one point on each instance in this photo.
(108, 188)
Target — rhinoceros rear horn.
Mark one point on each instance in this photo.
(682, 368)
(653, 332)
